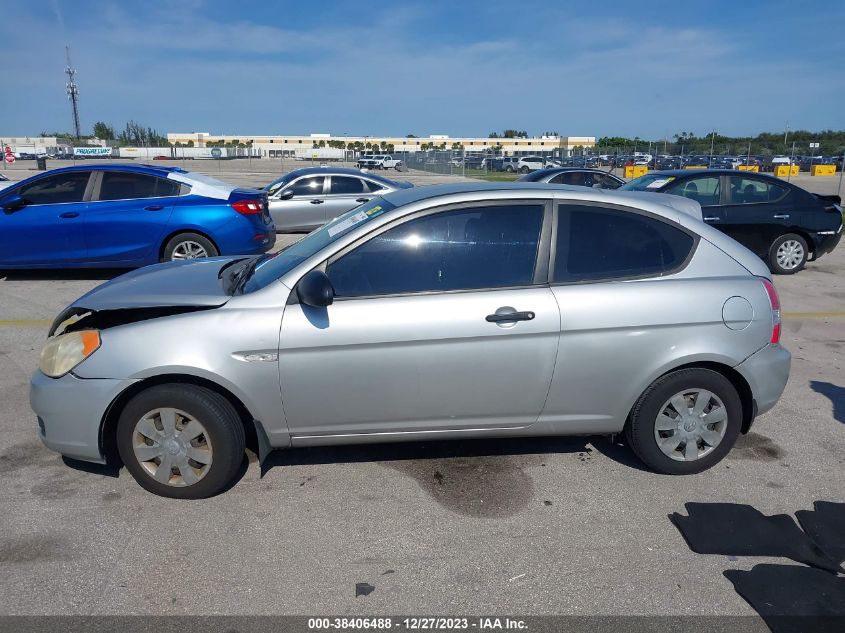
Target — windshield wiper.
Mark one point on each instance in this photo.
(232, 273)
(245, 273)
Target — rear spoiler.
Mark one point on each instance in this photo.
(829, 197)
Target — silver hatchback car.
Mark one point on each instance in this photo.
(472, 310)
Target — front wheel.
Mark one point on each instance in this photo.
(524, 170)
(788, 254)
(181, 441)
(685, 422)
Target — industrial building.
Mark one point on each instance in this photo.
(287, 144)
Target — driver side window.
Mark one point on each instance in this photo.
(56, 189)
(310, 186)
(465, 249)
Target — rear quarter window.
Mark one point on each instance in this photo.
(599, 244)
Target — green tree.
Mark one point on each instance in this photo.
(103, 131)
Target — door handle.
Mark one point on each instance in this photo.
(316, 202)
(509, 316)
(781, 216)
(69, 214)
(711, 218)
(362, 200)
(153, 207)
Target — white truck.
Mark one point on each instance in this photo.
(379, 161)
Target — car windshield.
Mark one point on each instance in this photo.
(279, 183)
(649, 182)
(273, 266)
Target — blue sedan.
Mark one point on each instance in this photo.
(128, 216)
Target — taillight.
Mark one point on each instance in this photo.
(774, 300)
(248, 207)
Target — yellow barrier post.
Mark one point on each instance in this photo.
(754, 168)
(695, 166)
(780, 171)
(823, 170)
(635, 171)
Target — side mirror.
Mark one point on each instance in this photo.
(287, 194)
(315, 290)
(12, 202)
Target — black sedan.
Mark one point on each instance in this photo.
(782, 223)
(583, 177)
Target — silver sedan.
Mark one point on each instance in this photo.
(460, 311)
(307, 198)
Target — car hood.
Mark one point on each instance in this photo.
(187, 283)
(153, 291)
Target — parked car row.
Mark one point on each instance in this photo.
(135, 215)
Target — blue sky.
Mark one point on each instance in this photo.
(459, 68)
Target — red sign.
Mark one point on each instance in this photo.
(9, 158)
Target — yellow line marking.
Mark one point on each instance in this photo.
(23, 322)
(812, 315)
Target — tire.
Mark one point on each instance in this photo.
(524, 170)
(509, 169)
(186, 243)
(642, 433)
(788, 254)
(221, 441)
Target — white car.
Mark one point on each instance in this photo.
(529, 163)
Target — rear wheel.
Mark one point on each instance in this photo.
(181, 441)
(788, 254)
(524, 170)
(188, 246)
(685, 422)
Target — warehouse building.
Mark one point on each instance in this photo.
(288, 144)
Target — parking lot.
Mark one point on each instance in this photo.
(539, 526)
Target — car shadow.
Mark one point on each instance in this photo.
(72, 274)
(106, 470)
(442, 449)
(836, 395)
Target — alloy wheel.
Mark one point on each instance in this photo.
(189, 250)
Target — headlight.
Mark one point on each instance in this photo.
(63, 353)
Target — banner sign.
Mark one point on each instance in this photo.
(92, 152)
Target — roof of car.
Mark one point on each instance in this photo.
(698, 172)
(346, 171)
(154, 170)
(592, 170)
(665, 204)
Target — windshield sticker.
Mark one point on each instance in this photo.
(656, 184)
(349, 222)
(374, 211)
